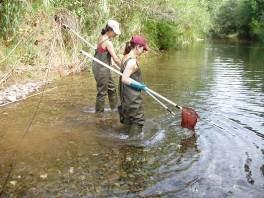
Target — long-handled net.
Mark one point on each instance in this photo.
(189, 116)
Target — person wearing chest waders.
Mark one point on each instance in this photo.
(130, 87)
(104, 52)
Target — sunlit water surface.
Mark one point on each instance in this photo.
(56, 146)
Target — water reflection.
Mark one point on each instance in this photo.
(72, 152)
(189, 143)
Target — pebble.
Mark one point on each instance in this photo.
(13, 183)
(43, 176)
(71, 170)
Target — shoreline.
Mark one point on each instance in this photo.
(20, 91)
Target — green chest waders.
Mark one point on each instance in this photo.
(131, 109)
(104, 82)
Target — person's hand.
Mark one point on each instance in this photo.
(137, 86)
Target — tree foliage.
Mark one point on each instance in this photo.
(244, 17)
(166, 23)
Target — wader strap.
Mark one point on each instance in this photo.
(125, 63)
(102, 42)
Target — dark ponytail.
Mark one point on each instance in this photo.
(106, 29)
(129, 47)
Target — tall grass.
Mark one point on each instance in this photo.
(10, 17)
(185, 20)
(166, 24)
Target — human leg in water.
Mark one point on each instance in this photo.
(101, 85)
(112, 94)
(133, 130)
(99, 105)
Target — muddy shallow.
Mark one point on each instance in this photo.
(56, 146)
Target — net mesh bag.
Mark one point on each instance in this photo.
(189, 118)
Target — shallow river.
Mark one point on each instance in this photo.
(56, 146)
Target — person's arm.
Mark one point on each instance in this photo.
(112, 52)
(131, 67)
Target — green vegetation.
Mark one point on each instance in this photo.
(29, 35)
(244, 18)
(10, 15)
(186, 20)
(168, 24)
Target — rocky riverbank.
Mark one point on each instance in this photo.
(19, 92)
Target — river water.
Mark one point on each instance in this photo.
(56, 146)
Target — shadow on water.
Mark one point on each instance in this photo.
(70, 151)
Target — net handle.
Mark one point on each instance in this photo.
(85, 41)
(161, 103)
(164, 98)
(148, 91)
(118, 72)
(79, 36)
